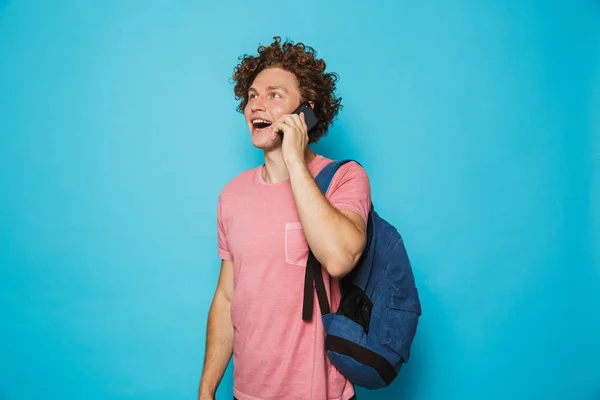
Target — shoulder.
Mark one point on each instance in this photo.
(353, 167)
(350, 177)
(349, 167)
(351, 171)
(350, 189)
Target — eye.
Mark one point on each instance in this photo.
(276, 95)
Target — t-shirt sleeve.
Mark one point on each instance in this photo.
(350, 190)
(223, 247)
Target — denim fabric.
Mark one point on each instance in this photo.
(372, 331)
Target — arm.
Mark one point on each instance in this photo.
(337, 238)
(219, 335)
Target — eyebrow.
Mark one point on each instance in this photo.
(269, 88)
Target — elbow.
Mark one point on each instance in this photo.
(339, 272)
(342, 263)
(344, 256)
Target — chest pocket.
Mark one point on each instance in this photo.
(296, 247)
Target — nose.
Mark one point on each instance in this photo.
(257, 105)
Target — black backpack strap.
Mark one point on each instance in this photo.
(313, 274)
(313, 267)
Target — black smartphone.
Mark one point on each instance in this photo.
(309, 116)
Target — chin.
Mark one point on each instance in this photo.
(264, 142)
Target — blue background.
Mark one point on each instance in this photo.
(478, 123)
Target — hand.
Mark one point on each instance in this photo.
(295, 136)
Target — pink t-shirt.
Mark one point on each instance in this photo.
(276, 354)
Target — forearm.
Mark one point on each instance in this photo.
(219, 345)
(333, 238)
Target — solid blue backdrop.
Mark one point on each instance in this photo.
(478, 123)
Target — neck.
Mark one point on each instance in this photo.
(275, 170)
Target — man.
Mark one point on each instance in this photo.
(267, 218)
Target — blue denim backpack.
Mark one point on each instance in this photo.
(368, 338)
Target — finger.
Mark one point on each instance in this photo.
(292, 120)
(288, 124)
(299, 122)
(281, 126)
(303, 120)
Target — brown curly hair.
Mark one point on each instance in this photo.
(313, 82)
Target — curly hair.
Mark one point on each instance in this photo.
(313, 82)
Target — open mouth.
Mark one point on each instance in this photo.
(260, 124)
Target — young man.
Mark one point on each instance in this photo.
(267, 218)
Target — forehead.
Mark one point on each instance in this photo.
(275, 77)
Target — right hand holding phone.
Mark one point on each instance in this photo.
(295, 136)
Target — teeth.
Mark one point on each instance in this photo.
(260, 121)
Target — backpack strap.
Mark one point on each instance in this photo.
(326, 175)
(313, 267)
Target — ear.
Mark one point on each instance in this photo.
(312, 104)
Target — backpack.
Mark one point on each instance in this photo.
(368, 338)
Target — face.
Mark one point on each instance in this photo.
(273, 94)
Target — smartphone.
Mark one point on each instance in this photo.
(309, 116)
